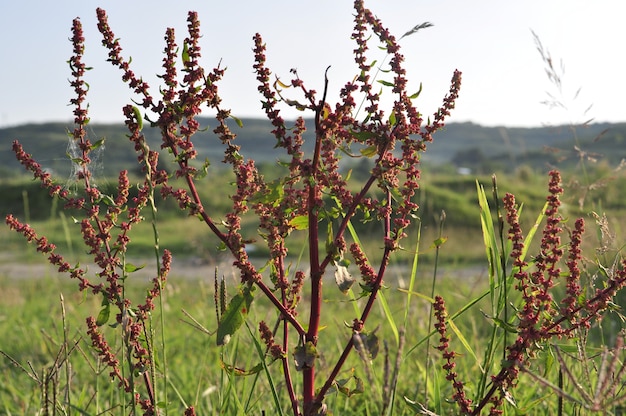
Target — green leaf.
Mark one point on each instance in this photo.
(416, 407)
(103, 316)
(76, 160)
(260, 349)
(107, 200)
(235, 371)
(131, 268)
(344, 262)
(385, 83)
(238, 121)
(273, 195)
(501, 324)
(331, 248)
(282, 84)
(97, 144)
(138, 116)
(301, 222)
(439, 242)
(417, 94)
(204, 170)
(234, 315)
(392, 118)
(277, 192)
(369, 151)
(366, 289)
(360, 386)
(185, 54)
(459, 334)
(342, 386)
(389, 315)
(362, 135)
(549, 361)
(570, 349)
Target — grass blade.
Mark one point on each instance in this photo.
(452, 317)
(463, 340)
(234, 316)
(272, 385)
(413, 274)
(389, 316)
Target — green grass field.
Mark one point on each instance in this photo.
(46, 350)
(42, 329)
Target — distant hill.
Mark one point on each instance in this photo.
(506, 148)
(458, 144)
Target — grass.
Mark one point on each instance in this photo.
(42, 330)
(35, 334)
(47, 349)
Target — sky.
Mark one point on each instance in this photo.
(490, 41)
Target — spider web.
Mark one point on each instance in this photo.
(95, 166)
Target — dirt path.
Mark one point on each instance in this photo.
(197, 269)
(181, 268)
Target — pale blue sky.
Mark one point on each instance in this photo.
(489, 40)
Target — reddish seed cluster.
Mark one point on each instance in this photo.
(464, 403)
(573, 288)
(169, 66)
(43, 246)
(106, 232)
(538, 318)
(367, 272)
(407, 121)
(263, 77)
(289, 139)
(44, 177)
(158, 283)
(295, 292)
(105, 352)
(78, 71)
(112, 44)
(444, 111)
(275, 350)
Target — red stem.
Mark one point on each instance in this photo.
(376, 286)
(316, 271)
(364, 315)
